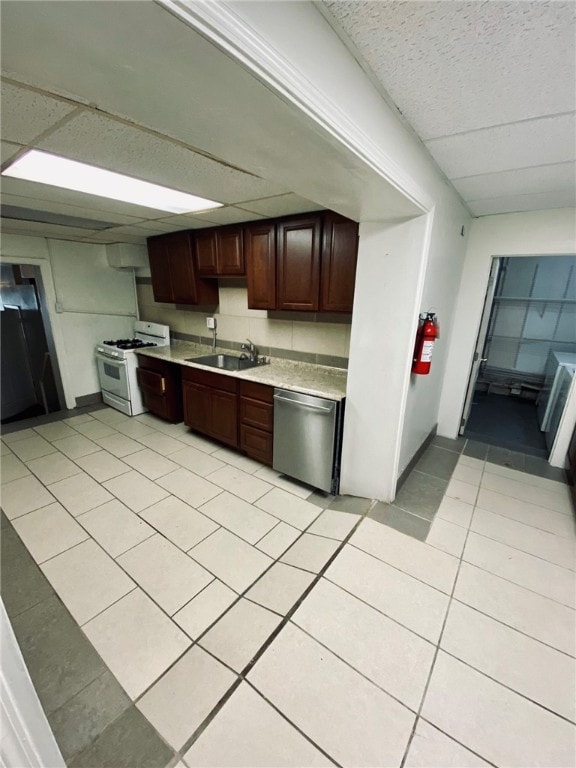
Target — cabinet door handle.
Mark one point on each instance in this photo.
(163, 385)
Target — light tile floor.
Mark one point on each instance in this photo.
(182, 605)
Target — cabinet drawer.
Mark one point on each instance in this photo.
(155, 364)
(257, 414)
(153, 381)
(208, 379)
(263, 392)
(158, 404)
(256, 443)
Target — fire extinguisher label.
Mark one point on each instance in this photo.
(427, 348)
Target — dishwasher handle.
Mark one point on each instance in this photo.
(298, 404)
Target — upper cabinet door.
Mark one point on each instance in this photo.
(182, 268)
(260, 255)
(298, 251)
(160, 269)
(205, 252)
(174, 279)
(230, 251)
(338, 269)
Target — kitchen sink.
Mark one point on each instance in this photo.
(225, 362)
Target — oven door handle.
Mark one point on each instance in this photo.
(107, 359)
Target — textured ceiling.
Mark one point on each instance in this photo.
(33, 119)
(129, 87)
(490, 87)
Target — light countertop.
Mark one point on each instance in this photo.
(320, 380)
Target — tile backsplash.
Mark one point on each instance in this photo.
(319, 338)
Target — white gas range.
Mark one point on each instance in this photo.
(117, 363)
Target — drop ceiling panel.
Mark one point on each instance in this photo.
(166, 76)
(527, 202)
(41, 229)
(283, 205)
(176, 223)
(457, 66)
(104, 142)
(8, 150)
(109, 236)
(135, 231)
(547, 178)
(26, 114)
(521, 145)
(226, 215)
(136, 60)
(158, 226)
(101, 205)
(66, 210)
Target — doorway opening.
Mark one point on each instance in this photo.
(525, 356)
(30, 377)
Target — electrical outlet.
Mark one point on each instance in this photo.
(211, 323)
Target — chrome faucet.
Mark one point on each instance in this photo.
(252, 350)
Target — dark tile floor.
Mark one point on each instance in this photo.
(419, 497)
(49, 418)
(506, 421)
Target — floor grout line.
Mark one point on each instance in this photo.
(435, 657)
(508, 687)
(287, 618)
(515, 583)
(454, 739)
(272, 637)
(406, 573)
(515, 629)
(524, 551)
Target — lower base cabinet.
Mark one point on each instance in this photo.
(160, 383)
(257, 420)
(211, 405)
(238, 413)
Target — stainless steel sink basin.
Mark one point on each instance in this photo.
(224, 362)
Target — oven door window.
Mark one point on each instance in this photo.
(112, 376)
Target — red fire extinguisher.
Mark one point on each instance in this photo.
(428, 332)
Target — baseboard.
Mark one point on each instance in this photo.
(415, 459)
(93, 399)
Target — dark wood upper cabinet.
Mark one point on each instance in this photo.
(219, 251)
(301, 263)
(298, 243)
(205, 252)
(338, 267)
(158, 255)
(174, 277)
(230, 251)
(260, 254)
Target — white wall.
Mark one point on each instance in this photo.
(403, 269)
(515, 234)
(380, 355)
(88, 301)
(439, 295)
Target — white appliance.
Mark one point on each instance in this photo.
(554, 373)
(117, 363)
(562, 390)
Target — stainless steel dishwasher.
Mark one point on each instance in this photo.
(307, 438)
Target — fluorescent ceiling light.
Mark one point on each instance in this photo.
(69, 174)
